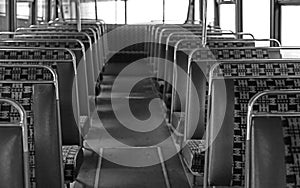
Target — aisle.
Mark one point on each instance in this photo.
(125, 157)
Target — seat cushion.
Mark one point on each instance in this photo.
(72, 161)
(193, 155)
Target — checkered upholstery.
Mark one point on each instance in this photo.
(227, 53)
(25, 73)
(23, 94)
(196, 149)
(72, 160)
(36, 54)
(60, 30)
(174, 38)
(61, 61)
(256, 69)
(292, 149)
(225, 44)
(291, 128)
(189, 44)
(43, 35)
(262, 78)
(46, 44)
(70, 44)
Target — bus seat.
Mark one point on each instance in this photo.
(39, 100)
(11, 156)
(86, 106)
(274, 140)
(226, 163)
(199, 78)
(83, 37)
(63, 63)
(13, 153)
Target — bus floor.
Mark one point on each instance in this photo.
(130, 147)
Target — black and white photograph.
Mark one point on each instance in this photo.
(149, 94)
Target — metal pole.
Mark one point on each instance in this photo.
(239, 17)
(78, 15)
(201, 9)
(217, 13)
(116, 11)
(34, 6)
(12, 15)
(53, 11)
(96, 10)
(204, 23)
(275, 20)
(48, 10)
(164, 11)
(71, 9)
(61, 8)
(125, 11)
(191, 13)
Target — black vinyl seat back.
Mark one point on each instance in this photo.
(273, 142)
(240, 81)
(63, 62)
(14, 146)
(34, 88)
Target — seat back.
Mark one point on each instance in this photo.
(14, 146)
(273, 138)
(199, 78)
(232, 86)
(83, 37)
(63, 62)
(77, 48)
(34, 88)
(193, 41)
(89, 31)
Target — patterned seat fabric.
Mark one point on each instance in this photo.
(286, 103)
(194, 155)
(72, 161)
(291, 136)
(23, 94)
(244, 89)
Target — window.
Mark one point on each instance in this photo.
(256, 18)
(290, 26)
(3, 15)
(69, 10)
(24, 14)
(111, 11)
(144, 11)
(176, 11)
(227, 17)
(41, 13)
(87, 10)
